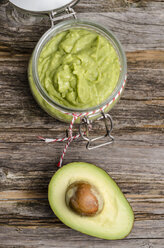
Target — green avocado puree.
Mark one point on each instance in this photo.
(79, 68)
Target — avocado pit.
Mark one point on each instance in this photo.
(84, 199)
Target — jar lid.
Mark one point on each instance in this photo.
(41, 6)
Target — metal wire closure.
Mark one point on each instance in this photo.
(85, 135)
(69, 13)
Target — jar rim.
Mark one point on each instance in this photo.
(85, 24)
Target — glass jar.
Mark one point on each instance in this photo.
(53, 108)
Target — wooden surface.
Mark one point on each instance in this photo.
(135, 160)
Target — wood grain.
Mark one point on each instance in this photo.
(135, 160)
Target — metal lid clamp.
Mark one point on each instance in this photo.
(87, 124)
(69, 13)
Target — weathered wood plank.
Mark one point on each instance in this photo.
(27, 164)
(45, 236)
(145, 243)
(20, 110)
(150, 59)
(142, 136)
(137, 28)
(133, 28)
(23, 209)
(140, 170)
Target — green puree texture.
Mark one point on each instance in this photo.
(79, 68)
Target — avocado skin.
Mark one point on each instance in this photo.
(56, 209)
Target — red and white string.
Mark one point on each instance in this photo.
(75, 116)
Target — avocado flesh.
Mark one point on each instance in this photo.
(115, 221)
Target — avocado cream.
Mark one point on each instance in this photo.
(78, 68)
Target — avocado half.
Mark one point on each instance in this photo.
(116, 219)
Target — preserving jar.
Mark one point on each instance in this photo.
(53, 108)
(59, 10)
